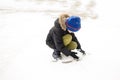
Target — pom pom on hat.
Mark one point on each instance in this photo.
(73, 23)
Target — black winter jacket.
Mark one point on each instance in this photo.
(54, 38)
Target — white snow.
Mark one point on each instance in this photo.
(24, 54)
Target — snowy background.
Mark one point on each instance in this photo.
(24, 25)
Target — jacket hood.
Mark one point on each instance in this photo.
(62, 19)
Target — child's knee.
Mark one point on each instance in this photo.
(67, 39)
(73, 45)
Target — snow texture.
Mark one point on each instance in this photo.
(25, 56)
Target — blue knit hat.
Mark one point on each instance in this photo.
(73, 23)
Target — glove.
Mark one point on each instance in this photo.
(82, 51)
(74, 56)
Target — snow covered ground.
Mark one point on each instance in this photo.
(25, 56)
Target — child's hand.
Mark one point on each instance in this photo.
(82, 51)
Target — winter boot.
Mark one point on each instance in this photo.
(56, 55)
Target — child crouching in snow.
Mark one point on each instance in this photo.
(61, 37)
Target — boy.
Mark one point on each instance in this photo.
(61, 37)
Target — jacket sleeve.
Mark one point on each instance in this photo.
(76, 40)
(59, 43)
